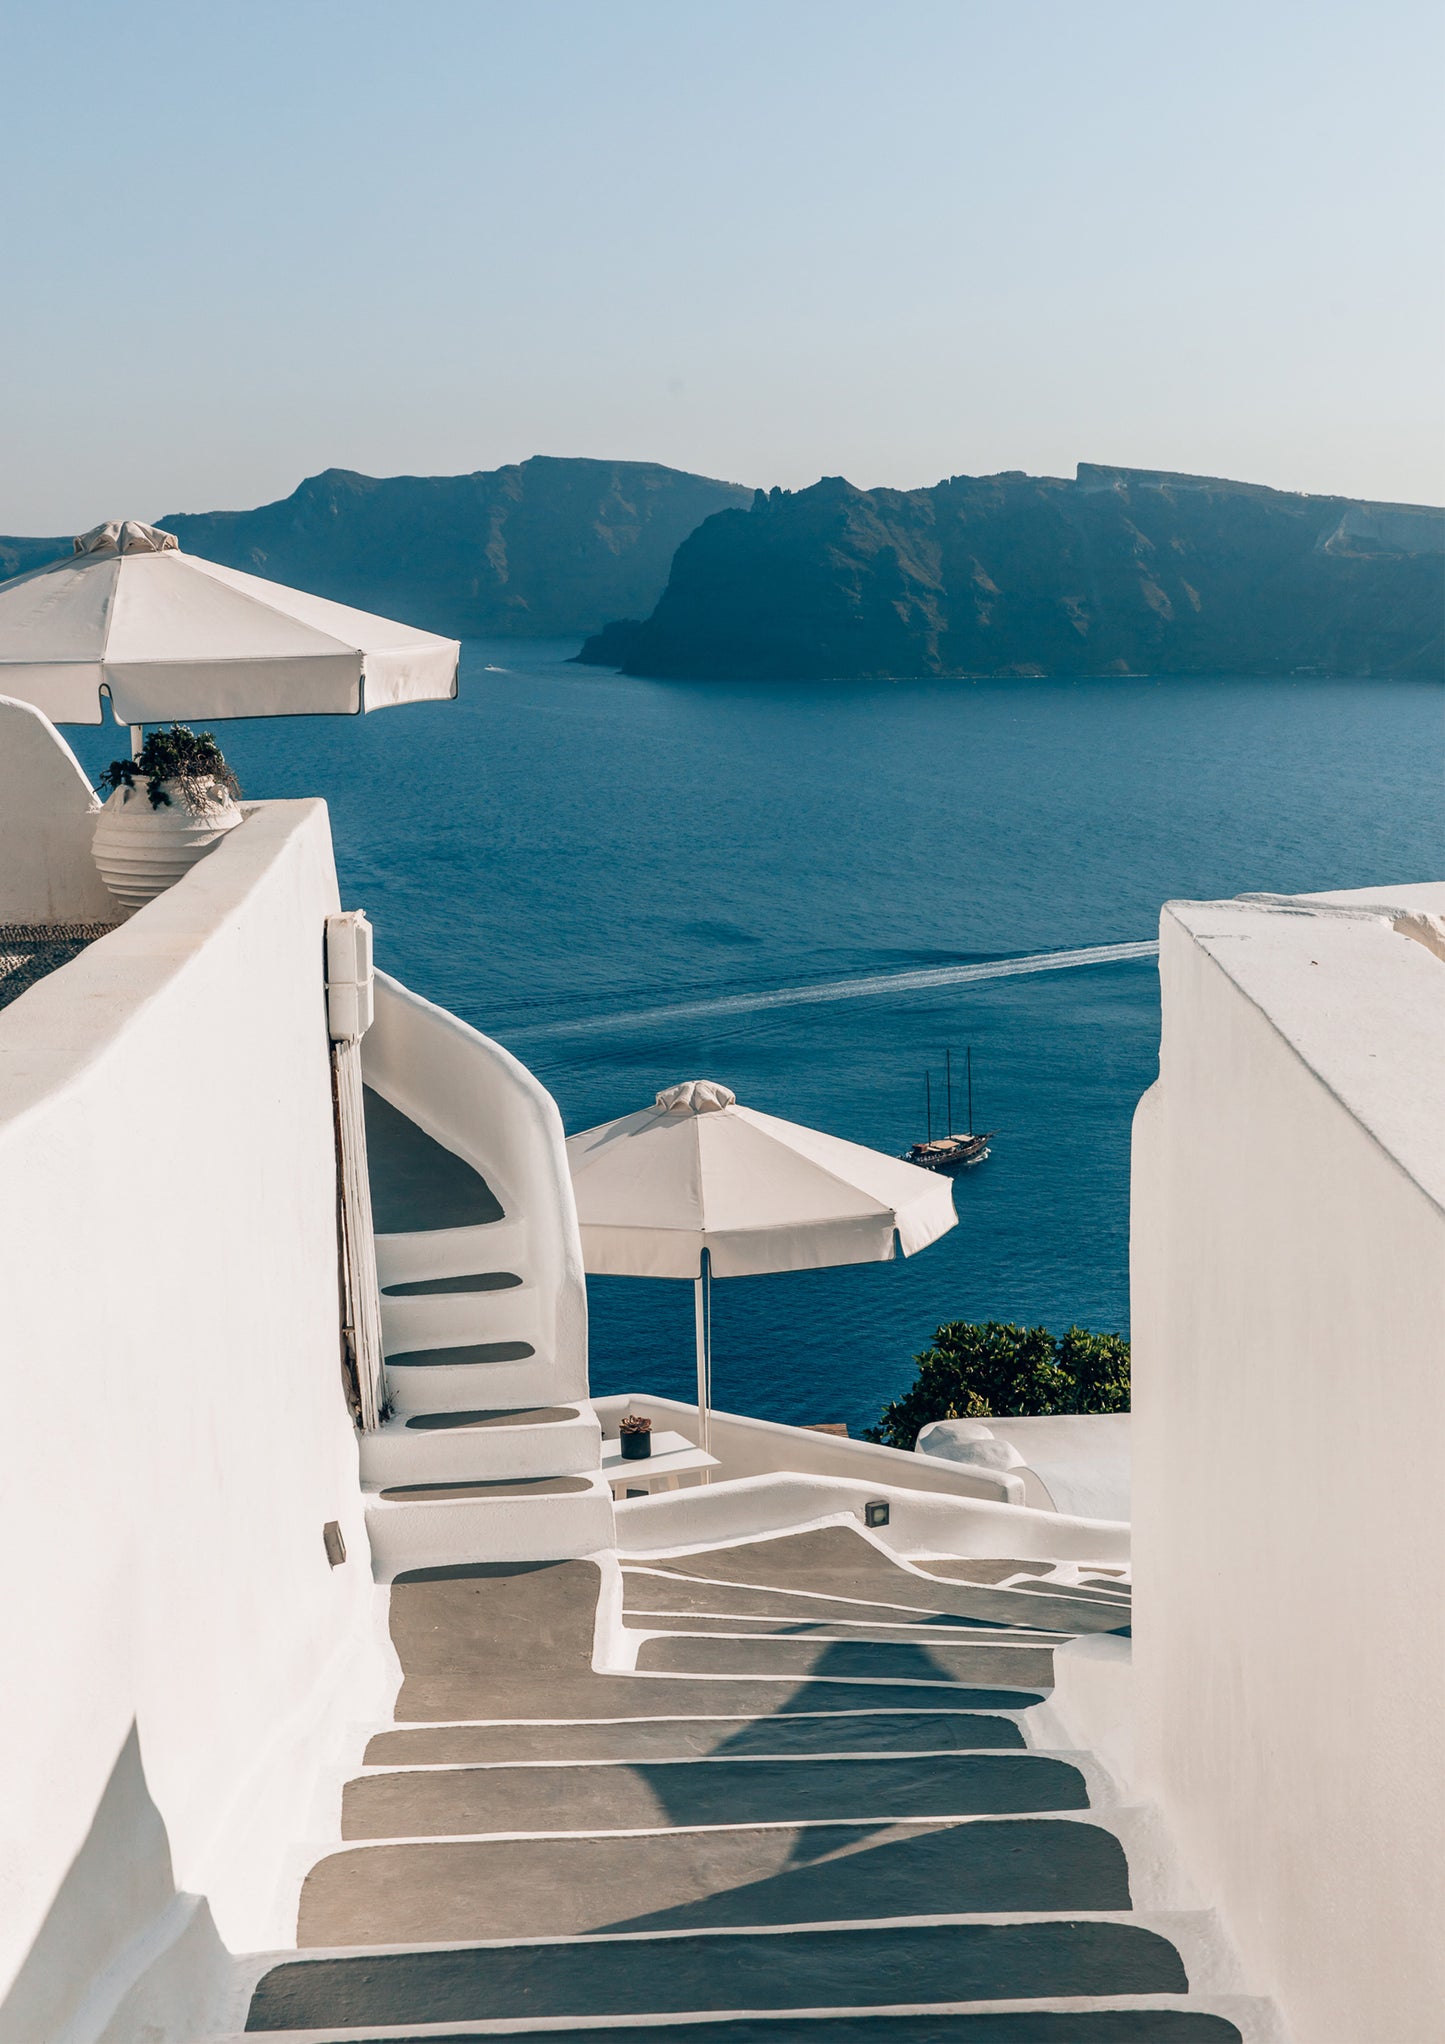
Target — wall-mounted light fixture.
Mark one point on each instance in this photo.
(875, 1512)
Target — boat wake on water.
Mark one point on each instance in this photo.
(859, 989)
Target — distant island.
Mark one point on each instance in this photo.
(1120, 571)
(546, 548)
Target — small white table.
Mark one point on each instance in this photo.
(673, 1455)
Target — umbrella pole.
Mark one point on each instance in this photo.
(137, 739)
(702, 1318)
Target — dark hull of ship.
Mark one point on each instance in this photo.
(950, 1153)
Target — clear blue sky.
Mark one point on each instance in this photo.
(892, 239)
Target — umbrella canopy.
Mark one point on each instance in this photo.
(697, 1187)
(696, 1171)
(168, 635)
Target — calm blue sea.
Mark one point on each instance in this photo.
(562, 849)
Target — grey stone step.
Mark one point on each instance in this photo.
(841, 1563)
(989, 1660)
(897, 1631)
(691, 1880)
(686, 1738)
(799, 1969)
(1108, 1593)
(502, 1694)
(489, 1487)
(459, 1632)
(491, 1416)
(642, 1593)
(1154, 2025)
(464, 1357)
(474, 1281)
(984, 1568)
(622, 1796)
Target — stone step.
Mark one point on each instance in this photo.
(488, 1444)
(1155, 2019)
(682, 1738)
(451, 1694)
(991, 1659)
(512, 1522)
(481, 1376)
(837, 1561)
(488, 1318)
(447, 1287)
(457, 1626)
(900, 1629)
(644, 1593)
(626, 1795)
(411, 1257)
(696, 1972)
(685, 1879)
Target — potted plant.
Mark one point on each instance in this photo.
(636, 1435)
(167, 808)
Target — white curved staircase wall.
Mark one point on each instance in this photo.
(473, 1097)
(48, 813)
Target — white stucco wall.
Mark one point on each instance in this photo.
(180, 1657)
(47, 819)
(1288, 1256)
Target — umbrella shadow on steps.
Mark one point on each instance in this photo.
(829, 1701)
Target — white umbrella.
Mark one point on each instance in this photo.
(697, 1187)
(167, 635)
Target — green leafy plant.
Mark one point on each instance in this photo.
(993, 1369)
(188, 761)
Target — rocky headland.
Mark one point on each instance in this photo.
(540, 549)
(1119, 571)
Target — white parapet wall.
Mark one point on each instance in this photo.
(181, 1656)
(745, 1446)
(1288, 1273)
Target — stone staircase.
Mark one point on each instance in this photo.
(785, 1789)
(479, 1455)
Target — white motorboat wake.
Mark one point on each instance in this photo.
(862, 988)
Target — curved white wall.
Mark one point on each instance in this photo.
(179, 1654)
(47, 820)
(477, 1100)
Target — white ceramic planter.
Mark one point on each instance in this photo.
(141, 851)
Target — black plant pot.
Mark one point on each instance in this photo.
(636, 1447)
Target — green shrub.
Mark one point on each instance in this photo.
(992, 1369)
(190, 761)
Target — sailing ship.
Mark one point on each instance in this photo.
(950, 1152)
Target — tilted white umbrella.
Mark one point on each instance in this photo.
(167, 635)
(696, 1186)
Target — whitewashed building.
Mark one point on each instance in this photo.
(428, 1728)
